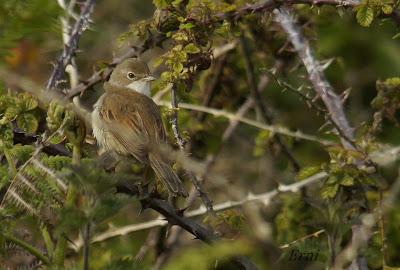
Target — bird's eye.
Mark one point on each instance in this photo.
(130, 75)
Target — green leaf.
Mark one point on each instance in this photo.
(12, 112)
(22, 152)
(396, 36)
(332, 180)
(28, 122)
(307, 172)
(186, 26)
(6, 135)
(29, 103)
(387, 9)
(329, 191)
(365, 15)
(57, 139)
(204, 257)
(178, 67)
(176, 3)
(191, 48)
(161, 3)
(347, 181)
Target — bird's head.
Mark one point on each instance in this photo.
(133, 74)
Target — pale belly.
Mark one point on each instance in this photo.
(104, 138)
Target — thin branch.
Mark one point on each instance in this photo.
(196, 229)
(264, 198)
(212, 84)
(29, 248)
(322, 87)
(174, 217)
(19, 176)
(69, 49)
(153, 40)
(157, 39)
(234, 117)
(86, 244)
(308, 236)
(181, 143)
(266, 115)
(269, 5)
(173, 239)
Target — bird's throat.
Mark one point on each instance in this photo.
(140, 86)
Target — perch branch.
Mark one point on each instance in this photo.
(265, 198)
(181, 143)
(174, 237)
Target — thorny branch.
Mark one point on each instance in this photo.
(70, 48)
(264, 198)
(156, 39)
(316, 76)
(332, 101)
(254, 123)
(102, 75)
(181, 143)
(173, 239)
(176, 218)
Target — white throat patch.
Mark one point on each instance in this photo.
(140, 86)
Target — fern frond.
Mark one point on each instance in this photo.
(19, 201)
(25, 181)
(60, 183)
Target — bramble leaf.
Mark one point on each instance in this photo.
(365, 15)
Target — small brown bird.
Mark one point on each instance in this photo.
(126, 120)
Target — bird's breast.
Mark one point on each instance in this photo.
(103, 136)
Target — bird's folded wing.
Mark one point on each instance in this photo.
(133, 120)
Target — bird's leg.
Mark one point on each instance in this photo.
(108, 160)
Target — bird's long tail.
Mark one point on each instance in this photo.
(167, 176)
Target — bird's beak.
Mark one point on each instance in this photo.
(149, 78)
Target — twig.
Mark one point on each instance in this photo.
(382, 230)
(70, 48)
(101, 75)
(196, 229)
(264, 198)
(234, 117)
(181, 143)
(211, 85)
(10, 190)
(174, 236)
(316, 76)
(322, 87)
(314, 234)
(157, 39)
(174, 217)
(268, 5)
(297, 91)
(86, 244)
(31, 249)
(151, 241)
(266, 115)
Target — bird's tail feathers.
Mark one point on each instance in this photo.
(167, 176)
